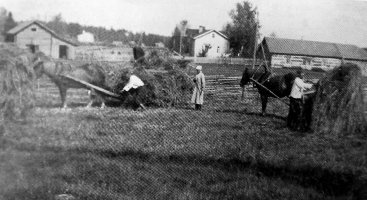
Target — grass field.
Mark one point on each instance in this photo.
(226, 151)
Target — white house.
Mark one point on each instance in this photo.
(217, 41)
(86, 37)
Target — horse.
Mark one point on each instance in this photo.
(90, 73)
(280, 85)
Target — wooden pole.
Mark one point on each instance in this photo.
(254, 54)
(268, 90)
(106, 92)
(255, 43)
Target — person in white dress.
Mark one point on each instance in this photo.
(198, 94)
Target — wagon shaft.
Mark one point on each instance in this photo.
(99, 89)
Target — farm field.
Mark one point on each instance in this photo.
(237, 70)
(225, 151)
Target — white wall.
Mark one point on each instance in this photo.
(39, 37)
(56, 46)
(48, 44)
(215, 42)
(86, 37)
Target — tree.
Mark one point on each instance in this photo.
(58, 25)
(182, 27)
(6, 21)
(179, 41)
(242, 31)
(74, 29)
(273, 34)
(3, 18)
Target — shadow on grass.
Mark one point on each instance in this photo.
(238, 111)
(323, 180)
(58, 105)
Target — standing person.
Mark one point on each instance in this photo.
(198, 95)
(296, 103)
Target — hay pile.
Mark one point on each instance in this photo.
(338, 105)
(161, 89)
(162, 60)
(16, 82)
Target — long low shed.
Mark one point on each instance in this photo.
(310, 54)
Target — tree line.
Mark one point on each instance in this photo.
(241, 31)
(71, 30)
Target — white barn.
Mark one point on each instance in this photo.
(218, 42)
(86, 37)
(37, 37)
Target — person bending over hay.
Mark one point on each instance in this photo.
(339, 105)
(132, 89)
(161, 88)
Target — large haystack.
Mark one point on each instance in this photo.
(161, 89)
(338, 106)
(16, 82)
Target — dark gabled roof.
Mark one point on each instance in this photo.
(192, 32)
(210, 31)
(20, 27)
(313, 48)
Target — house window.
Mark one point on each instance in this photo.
(33, 29)
(213, 35)
(33, 48)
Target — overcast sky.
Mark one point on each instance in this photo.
(343, 21)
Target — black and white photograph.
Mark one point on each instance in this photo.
(183, 99)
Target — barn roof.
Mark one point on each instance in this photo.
(210, 31)
(314, 48)
(20, 27)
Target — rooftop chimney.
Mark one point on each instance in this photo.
(201, 29)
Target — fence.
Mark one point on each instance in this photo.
(221, 85)
(219, 60)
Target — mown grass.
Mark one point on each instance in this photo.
(226, 151)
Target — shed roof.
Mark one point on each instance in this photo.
(20, 27)
(314, 48)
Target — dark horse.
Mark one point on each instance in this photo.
(90, 73)
(280, 85)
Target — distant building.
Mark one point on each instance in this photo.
(309, 54)
(217, 41)
(86, 37)
(159, 44)
(118, 43)
(194, 41)
(37, 37)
